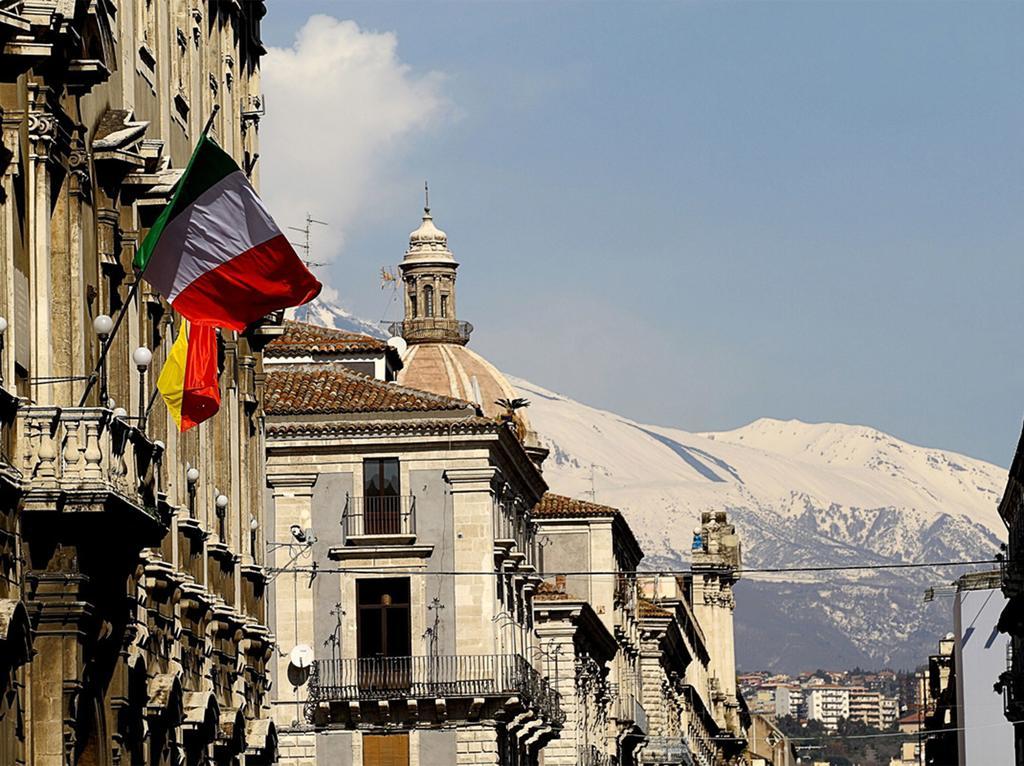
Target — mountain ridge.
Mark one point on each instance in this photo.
(801, 495)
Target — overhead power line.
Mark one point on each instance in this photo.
(401, 569)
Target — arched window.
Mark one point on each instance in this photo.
(444, 306)
(428, 301)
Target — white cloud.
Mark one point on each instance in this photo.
(341, 107)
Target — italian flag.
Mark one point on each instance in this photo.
(188, 382)
(216, 254)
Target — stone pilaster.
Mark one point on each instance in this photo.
(472, 501)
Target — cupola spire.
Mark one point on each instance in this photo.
(428, 273)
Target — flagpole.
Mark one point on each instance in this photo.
(95, 374)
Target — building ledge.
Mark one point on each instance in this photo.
(347, 552)
(378, 541)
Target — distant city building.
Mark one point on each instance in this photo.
(941, 717)
(789, 701)
(828, 704)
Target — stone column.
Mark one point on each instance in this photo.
(41, 129)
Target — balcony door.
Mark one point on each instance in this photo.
(382, 496)
(383, 634)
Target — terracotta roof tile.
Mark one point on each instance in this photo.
(553, 506)
(648, 608)
(548, 591)
(338, 391)
(301, 338)
(373, 426)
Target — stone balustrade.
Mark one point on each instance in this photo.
(86, 450)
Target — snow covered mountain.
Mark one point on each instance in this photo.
(800, 494)
(323, 312)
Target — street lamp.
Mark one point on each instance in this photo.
(142, 356)
(102, 325)
(253, 526)
(3, 330)
(191, 477)
(221, 504)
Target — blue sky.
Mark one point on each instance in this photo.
(692, 214)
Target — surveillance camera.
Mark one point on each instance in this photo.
(297, 533)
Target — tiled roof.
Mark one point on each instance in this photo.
(339, 391)
(548, 591)
(301, 338)
(553, 506)
(649, 609)
(373, 426)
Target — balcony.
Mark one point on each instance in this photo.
(81, 459)
(667, 750)
(514, 533)
(631, 713)
(379, 520)
(433, 689)
(432, 330)
(1011, 684)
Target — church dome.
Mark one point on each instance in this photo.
(449, 369)
(428, 240)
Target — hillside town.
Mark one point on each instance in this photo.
(231, 535)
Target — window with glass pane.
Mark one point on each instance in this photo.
(382, 496)
(428, 300)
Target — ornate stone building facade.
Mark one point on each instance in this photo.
(411, 532)
(132, 616)
(404, 557)
(688, 661)
(578, 615)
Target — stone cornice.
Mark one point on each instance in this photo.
(472, 479)
(292, 484)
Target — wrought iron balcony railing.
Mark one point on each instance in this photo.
(436, 329)
(426, 677)
(1011, 683)
(591, 756)
(378, 517)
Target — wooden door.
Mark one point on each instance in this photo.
(385, 750)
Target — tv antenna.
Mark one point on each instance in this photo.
(304, 246)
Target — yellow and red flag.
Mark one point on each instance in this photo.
(188, 382)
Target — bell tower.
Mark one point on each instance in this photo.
(428, 273)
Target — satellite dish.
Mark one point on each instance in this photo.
(398, 344)
(301, 656)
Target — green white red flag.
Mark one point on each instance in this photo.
(216, 254)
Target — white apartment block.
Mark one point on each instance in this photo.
(789, 700)
(828, 704)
